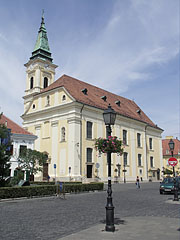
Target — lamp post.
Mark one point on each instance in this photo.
(124, 171)
(171, 147)
(109, 116)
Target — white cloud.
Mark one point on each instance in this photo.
(138, 35)
(135, 38)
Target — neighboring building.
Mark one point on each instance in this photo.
(167, 153)
(20, 139)
(67, 115)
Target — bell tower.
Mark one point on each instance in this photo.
(40, 70)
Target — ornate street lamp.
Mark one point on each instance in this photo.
(171, 147)
(109, 116)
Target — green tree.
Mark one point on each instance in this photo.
(167, 171)
(32, 161)
(5, 154)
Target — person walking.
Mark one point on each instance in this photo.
(137, 182)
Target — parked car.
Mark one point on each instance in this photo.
(167, 185)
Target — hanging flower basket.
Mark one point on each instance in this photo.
(111, 144)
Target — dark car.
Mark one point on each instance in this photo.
(167, 185)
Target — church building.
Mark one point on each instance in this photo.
(67, 116)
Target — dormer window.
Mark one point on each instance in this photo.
(104, 98)
(84, 91)
(63, 97)
(31, 83)
(139, 111)
(45, 82)
(118, 103)
(34, 106)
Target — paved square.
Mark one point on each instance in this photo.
(54, 218)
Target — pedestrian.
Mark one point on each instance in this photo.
(137, 182)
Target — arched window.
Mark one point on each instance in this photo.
(48, 100)
(31, 83)
(63, 97)
(45, 82)
(63, 134)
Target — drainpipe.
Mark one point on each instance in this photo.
(146, 152)
(81, 140)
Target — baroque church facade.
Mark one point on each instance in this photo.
(66, 115)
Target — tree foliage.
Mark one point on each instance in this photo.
(32, 161)
(5, 154)
(167, 171)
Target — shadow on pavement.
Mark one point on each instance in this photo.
(117, 221)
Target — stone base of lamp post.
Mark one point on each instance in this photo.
(110, 218)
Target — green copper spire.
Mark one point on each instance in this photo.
(41, 49)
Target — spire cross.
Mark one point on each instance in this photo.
(42, 13)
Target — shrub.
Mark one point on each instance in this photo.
(44, 190)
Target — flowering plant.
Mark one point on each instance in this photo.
(111, 144)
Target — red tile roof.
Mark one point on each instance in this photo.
(165, 147)
(127, 108)
(15, 128)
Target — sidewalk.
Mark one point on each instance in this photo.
(133, 228)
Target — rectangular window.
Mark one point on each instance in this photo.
(151, 162)
(89, 130)
(11, 149)
(125, 137)
(89, 155)
(139, 160)
(125, 158)
(138, 139)
(150, 143)
(22, 150)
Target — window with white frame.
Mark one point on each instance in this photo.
(31, 82)
(89, 130)
(125, 137)
(139, 160)
(150, 144)
(125, 158)
(45, 82)
(151, 162)
(138, 139)
(22, 150)
(89, 155)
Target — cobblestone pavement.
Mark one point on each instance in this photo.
(52, 217)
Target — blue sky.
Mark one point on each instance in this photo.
(129, 47)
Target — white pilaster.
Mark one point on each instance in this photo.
(133, 163)
(54, 154)
(73, 146)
